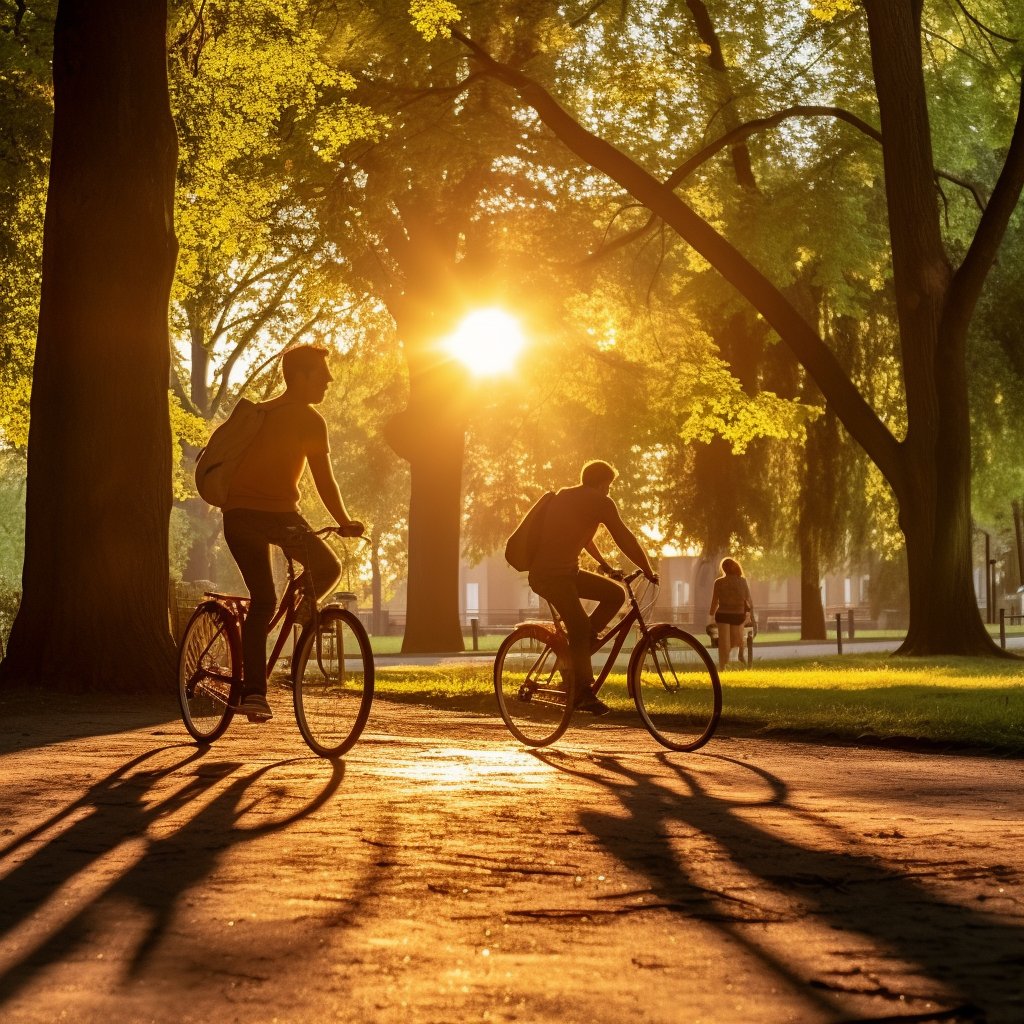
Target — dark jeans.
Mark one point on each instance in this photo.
(249, 535)
(564, 592)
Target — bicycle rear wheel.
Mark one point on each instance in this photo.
(532, 686)
(676, 688)
(333, 681)
(209, 671)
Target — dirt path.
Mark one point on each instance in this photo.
(444, 874)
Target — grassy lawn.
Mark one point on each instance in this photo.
(959, 702)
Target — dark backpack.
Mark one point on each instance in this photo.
(217, 462)
(521, 547)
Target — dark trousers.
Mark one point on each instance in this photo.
(564, 592)
(249, 535)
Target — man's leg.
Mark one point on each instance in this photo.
(247, 535)
(561, 592)
(609, 595)
(321, 568)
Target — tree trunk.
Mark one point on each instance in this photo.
(430, 435)
(812, 612)
(1018, 532)
(375, 584)
(95, 581)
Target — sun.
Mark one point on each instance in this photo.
(486, 342)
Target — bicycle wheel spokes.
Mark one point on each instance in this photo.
(530, 686)
(209, 664)
(676, 689)
(333, 676)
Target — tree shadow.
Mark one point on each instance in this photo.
(119, 809)
(33, 719)
(973, 958)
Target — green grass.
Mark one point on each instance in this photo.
(955, 702)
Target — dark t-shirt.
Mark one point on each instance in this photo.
(571, 520)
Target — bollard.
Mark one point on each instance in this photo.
(849, 618)
(1002, 628)
(474, 625)
(839, 632)
(750, 649)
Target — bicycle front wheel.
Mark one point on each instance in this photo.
(676, 688)
(532, 684)
(333, 680)
(209, 671)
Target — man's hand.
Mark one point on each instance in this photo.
(653, 577)
(611, 572)
(353, 528)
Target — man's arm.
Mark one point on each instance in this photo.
(627, 542)
(592, 549)
(327, 487)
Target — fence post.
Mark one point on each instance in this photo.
(849, 617)
(474, 625)
(1002, 628)
(839, 632)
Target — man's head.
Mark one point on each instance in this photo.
(305, 372)
(598, 474)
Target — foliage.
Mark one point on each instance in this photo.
(26, 98)
(432, 18)
(263, 115)
(188, 433)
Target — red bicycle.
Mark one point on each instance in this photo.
(331, 676)
(670, 677)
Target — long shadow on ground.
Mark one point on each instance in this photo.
(119, 809)
(961, 949)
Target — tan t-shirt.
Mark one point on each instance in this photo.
(570, 521)
(267, 479)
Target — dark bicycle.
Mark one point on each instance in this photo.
(670, 676)
(331, 676)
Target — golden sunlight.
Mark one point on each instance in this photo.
(487, 342)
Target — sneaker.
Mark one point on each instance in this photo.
(255, 707)
(590, 704)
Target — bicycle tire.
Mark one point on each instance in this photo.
(530, 687)
(209, 671)
(333, 686)
(676, 688)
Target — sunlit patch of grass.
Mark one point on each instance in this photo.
(975, 702)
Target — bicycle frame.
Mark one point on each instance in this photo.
(619, 631)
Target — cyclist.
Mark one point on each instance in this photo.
(570, 522)
(262, 509)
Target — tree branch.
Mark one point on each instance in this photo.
(970, 276)
(814, 355)
(983, 27)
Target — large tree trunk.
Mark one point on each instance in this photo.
(933, 307)
(430, 435)
(95, 581)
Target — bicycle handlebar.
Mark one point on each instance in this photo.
(349, 530)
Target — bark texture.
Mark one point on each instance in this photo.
(94, 608)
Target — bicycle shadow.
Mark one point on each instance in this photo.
(972, 957)
(121, 809)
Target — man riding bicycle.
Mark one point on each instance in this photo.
(262, 509)
(571, 519)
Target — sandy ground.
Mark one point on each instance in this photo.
(442, 873)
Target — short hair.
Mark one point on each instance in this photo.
(730, 567)
(595, 473)
(302, 359)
